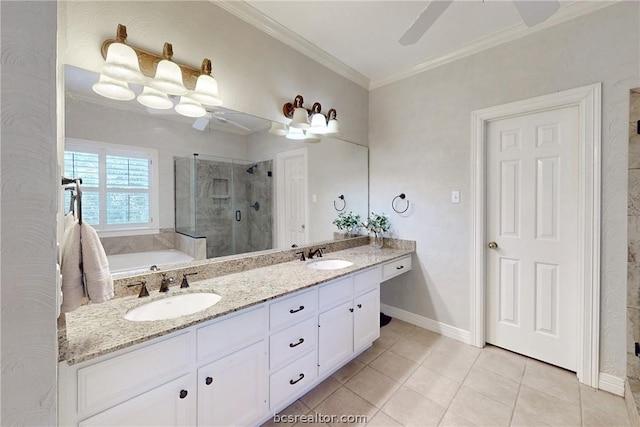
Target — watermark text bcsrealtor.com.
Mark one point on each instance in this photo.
(318, 418)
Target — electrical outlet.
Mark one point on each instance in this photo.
(455, 196)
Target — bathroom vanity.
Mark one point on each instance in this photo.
(276, 333)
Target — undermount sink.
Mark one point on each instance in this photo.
(172, 307)
(330, 264)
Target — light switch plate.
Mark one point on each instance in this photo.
(455, 197)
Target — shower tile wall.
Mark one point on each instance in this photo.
(260, 224)
(214, 209)
(224, 188)
(633, 271)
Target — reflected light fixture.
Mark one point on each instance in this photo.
(278, 129)
(113, 89)
(154, 99)
(295, 133)
(160, 75)
(320, 125)
(190, 108)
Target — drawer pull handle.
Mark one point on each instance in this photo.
(208, 381)
(400, 267)
(183, 394)
(295, 311)
(292, 382)
(351, 309)
(296, 344)
(359, 305)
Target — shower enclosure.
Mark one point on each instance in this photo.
(227, 201)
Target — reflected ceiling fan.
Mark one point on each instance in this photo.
(532, 12)
(201, 123)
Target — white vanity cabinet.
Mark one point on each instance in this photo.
(237, 369)
(170, 404)
(209, 374)
(232, 390)
(292, 346)
(349, 319)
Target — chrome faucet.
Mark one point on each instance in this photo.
(318, 252)
(302, 257)
(166, 281)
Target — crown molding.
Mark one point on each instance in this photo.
(254, 17)
(262, 22)
(514, 32)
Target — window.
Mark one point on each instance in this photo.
(119, 191)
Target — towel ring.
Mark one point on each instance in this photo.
(400, 196)
(344, 203)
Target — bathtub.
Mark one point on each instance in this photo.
(141, 262)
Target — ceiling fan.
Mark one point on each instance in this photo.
(532, 12)
(201, 123)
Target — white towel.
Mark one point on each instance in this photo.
(72, 285)
(97, 276)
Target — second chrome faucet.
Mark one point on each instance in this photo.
(166, 281)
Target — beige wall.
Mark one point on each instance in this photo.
(30, 185)
(420, 144)
(256, 73)
(633, 275)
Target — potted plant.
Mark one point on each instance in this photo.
(377, 224)
(349, 222)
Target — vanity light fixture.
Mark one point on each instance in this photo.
(320, 125)
(160, 75)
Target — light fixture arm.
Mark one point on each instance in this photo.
(148, 60)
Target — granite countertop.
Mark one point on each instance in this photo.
(97, 329)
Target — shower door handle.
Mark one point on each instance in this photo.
(238, 216)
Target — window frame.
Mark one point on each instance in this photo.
(103, 149)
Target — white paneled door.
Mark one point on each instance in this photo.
(532, 235)
(292, 193)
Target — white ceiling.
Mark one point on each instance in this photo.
(359, 39)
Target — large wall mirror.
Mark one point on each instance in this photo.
(224, 177)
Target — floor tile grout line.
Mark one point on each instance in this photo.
(515, 403)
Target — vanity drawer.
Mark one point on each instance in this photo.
(293, 310)
(292, 379)
(397, 267)
(293, 342)
(366, 280)
(231, 334)
(112, 381)
(333, 293)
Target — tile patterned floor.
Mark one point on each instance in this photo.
(414, 377)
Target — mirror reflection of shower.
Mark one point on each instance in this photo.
(227, 201)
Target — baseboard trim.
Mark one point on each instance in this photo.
(426, 323)
(611, 384)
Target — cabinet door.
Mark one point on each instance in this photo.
(171, 404)
(335, 336)
(366, 319)
(233, 390)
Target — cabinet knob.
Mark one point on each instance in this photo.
(208, 380)
(359, 305)
(183, 394)
(351, 309)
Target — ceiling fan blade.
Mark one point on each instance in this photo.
(424, 21)
(231, 122)
(534, 12)
(201, 123)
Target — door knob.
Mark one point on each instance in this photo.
(493, 245)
